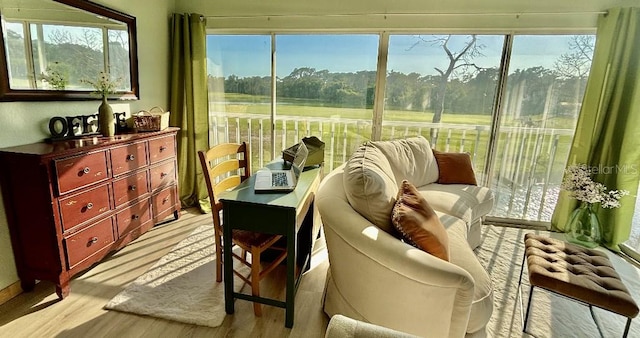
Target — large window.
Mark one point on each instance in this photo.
(516, 118)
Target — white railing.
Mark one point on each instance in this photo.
(527, 172)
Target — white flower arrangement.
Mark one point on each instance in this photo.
(578, 183)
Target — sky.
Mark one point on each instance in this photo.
(249, 55)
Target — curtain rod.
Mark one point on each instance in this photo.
(516, 14)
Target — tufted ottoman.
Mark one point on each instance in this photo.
(581, 274)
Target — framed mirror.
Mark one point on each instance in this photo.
(55, 50)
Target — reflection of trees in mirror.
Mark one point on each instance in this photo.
(119, 57)
(64, 55)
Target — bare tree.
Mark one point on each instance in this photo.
(60, 37)
(578, 61)
(459, 63)
(90, 38)
(576, 64)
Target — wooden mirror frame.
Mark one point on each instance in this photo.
(8, 94)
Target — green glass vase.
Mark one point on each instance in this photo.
(106, 121)
(584, 226)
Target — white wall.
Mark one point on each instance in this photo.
(27, 122)
(399, 15)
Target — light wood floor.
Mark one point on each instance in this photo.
(81, 314)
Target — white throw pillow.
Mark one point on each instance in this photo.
(370, 186)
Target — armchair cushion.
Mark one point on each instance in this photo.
(455, 168)
(418, 223)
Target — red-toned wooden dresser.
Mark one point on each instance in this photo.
(70, 203)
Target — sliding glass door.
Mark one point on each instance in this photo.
(325, 88)
(540, 104)
(511, 101)
(240, 92)
(443, 87)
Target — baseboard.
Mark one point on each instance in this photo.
(10, 292)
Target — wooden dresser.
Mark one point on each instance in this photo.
(70, 203)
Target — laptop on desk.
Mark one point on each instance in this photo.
(282, 180)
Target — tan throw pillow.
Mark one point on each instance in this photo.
(455, 168)
(418, 223)
(410, 159)
(370, 186)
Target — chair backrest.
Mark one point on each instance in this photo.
(224, 167)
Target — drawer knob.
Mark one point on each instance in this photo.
(135, 217)
(93, 240)
(86, 170)
(165, 200)
(131, 157)
(162, 175)
(163, 148)
(89, 205)
(132, 187)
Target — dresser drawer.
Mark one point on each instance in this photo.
(133, 217)
(163, 175)
(162, 148)
(83, 206)
(129, 157)
(164, 200)
(130, 187)
(79, 171)
(87, 242)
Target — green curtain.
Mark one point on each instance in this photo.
(608, 129)
(189, 105)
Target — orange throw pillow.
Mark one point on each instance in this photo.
(419, 225)
(455, 168)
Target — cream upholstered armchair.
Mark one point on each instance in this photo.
(377, 278)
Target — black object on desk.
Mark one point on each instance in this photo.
(288, 214)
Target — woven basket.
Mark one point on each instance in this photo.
(154, 119)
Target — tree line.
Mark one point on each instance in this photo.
(528, 89)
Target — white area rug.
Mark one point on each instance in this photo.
(181, 286)
(551, 315)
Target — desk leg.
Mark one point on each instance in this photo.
(305, 241)
(227, 264)
(291, 272)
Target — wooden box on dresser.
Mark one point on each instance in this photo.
(70, 203)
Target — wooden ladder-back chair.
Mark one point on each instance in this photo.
(225, 166)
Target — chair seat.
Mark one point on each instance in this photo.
(249, 238)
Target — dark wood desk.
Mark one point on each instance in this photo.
(287, 214)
